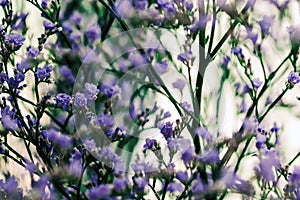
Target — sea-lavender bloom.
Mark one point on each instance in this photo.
(57, 137)
(141, 4)
(237, 51)
(8, 119)
(260, 140)
(139, 183)
(67, 74)
(44, 73)
(186, 56)
(108, 91)
(137, 59)
(76, 18)
(293, 78)
(265, 24)
(48, 25)
(91, 91)
(14, 39)
(269, 161)
(179, 84)
(225, 62)
(19, 21)
(182, 176)
(204, 133)
(23, 66)
(188, 155)
(161, 67)
(63, 101)
(175, 187)
(32, 52)
(80, 100)
(151, 144)
(105, 121)
(209, 156)
(93, 33)
(101, 192)
(3, 78)
(120, 184)
(257, 83)
(167, 130)
(4, 3)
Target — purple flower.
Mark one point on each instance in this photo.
(23, 66)
(225, 62)
(260, 140)
(186, 56)
(48, 25)
(187, 107)
(167, 114)
(124, 8)
(57, 137)
(44, 73)
(179, 84)
(256, 83)
(32, 52)
(161, 67)
(8, 119)
(141, 4)
(269, 161)
(182, 176)
(102, 191)
(204, 133)
(45, 4)
(209, 156)
(105, 121)
(137, 59)
(243, 106)
(93, 33)
(4, 3)
(151, 144)
(252, 36)
(139, 183)
(3, 78)
(63, 101)
(275, 128)
(108, 91)
(76, 17)
(75, 167)
(167, 130)
(19, 21)
(175, 187)
(293, 78)
(265, 24)
(237, 51)
(14, 39)
(188, 155)
(91, 91)
(120, 184)
(80, 100)
(67, 74)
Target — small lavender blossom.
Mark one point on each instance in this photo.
(225, 62)
(19, 21)
(44, 73)
(204, 133)
(237, 51)
(108, 91)
(151, 144)
(91, 91)
(105, 121)
(23, 66)
(120, 184)
(48, 25)
(32, 52)
(293, 78)
(14, 39)
(93, 33)
(167, 130)
(57, 137)
(161, 67)
(257, 83)
(63, 101)
(3, 78)
(4, 3)
(80, 100)
(182, 176)
(67, 74)
(265, 24)
(175, 187)
(139, 183)
(100, 192)
(179, 84)
(188, 155)
(260, 140)
(209, 156)
(141, 4)
(8, 119)
(186, 56)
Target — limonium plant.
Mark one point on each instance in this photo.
(128, 99)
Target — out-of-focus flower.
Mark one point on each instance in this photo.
(14, 39)
(101, 192)
(257, 83)
(179, 84)
(80, 100)
(265, 24)
(175, 187)
(93, 33)
(57, 137)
